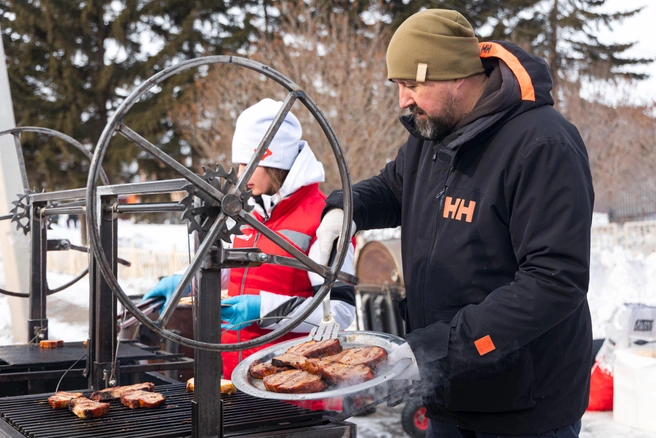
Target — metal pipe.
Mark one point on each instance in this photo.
(52, 211)
(153, 207)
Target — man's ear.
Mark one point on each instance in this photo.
(459, 83)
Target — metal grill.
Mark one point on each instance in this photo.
(33, 417)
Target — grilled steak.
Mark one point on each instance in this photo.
(85, 408)
(61, 399)
(289, 360)
(142, 399)
(316, 348)
(338, 373)
(261, 370)
(117, 391)
(294, 382)
(369, 356)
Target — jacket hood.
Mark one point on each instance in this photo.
(306, 170)
(518, 81)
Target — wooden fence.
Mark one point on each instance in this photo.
(145, 263)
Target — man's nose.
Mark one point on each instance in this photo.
(405, 99)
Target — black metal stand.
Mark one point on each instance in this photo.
(102, 306)
(207, 407)
(37, 324)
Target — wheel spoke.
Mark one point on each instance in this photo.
(195, 264)
(266, 141)
(166, 159)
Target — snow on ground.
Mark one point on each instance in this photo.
(617, 276)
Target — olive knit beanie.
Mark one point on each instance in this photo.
(433, 45)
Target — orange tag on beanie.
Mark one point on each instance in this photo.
(484, 345)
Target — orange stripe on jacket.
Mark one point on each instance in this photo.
(495, 50)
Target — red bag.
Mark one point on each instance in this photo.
(601, 389)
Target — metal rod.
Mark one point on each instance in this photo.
(52, 211)
(80, 276)
(164, 158)
(197, 261)
(207, 421)
(154, 207)
(266, 141)
(21, 161)
(37, 324)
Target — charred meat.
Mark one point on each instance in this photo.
(294, 382)
(117, 391)
(369, 356)
(261, 370)
(316, 348)
(85, 408)
(338, 373)
(289, 360)
(61, 399)
(142, 399)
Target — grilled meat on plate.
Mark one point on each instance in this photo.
(369, 356)
(338, 373)
(316, 348)
(261, 370)
(289, 360)
(294, 382)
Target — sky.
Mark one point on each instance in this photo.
(636, 29)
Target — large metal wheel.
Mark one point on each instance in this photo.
(228, 200)
(19, 213)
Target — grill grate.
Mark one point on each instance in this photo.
(33, 417)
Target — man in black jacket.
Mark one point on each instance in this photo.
(494, 195)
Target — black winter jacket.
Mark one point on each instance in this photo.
(496, 249)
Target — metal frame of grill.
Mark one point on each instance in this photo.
(206, 403)
(32, 416)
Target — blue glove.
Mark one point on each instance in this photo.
(241, 308)
(165, 288)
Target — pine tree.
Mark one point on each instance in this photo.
(564, 32)
(71, 63)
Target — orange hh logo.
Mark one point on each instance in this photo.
(267, 153)
(457, 209)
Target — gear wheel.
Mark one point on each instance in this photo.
(200, 216)
(21, 212)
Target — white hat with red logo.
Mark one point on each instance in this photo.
(251, 127)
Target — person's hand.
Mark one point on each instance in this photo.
(240, 309)
(165, 288)
(401, 352)
(328, 232)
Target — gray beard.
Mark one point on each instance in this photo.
(435, 128)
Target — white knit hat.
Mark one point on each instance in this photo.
(253, 123)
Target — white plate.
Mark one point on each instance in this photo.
(385, 372)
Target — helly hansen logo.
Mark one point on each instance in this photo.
(459, 209)
(486, 48)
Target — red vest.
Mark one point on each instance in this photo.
(296, 219)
